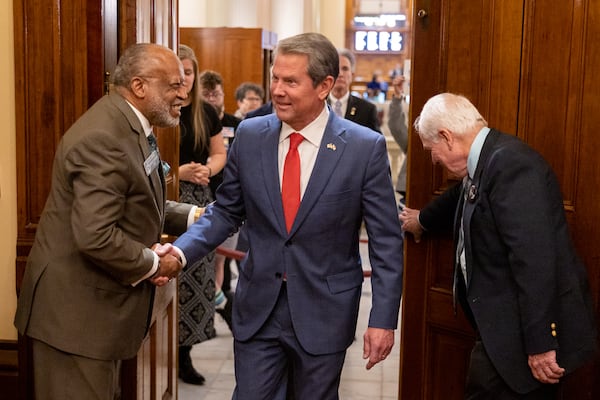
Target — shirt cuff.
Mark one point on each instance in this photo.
(151, 272)
(192, 216)
(181, 255)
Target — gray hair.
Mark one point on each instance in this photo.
(139, 60)
(350, 56)
(447, 111)
(323, 59)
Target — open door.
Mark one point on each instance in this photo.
(523, 64)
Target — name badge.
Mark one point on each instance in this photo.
(227, 132)
(151, 162)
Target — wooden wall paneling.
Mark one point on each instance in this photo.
(446, 344)
(426, 53)
(559, 114)
(235, 53)
(58, 75)
(535, 77)
(551, 82)
(585, 226)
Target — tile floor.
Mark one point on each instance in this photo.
(214, 359)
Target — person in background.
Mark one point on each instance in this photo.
(202, 155)
(211, 85)
(344, 103)
(249, 97)
(211, 89)
(399, 130)
(87, 294)
(374, 88)
(303, 180)
(517, 275)
(265, 109)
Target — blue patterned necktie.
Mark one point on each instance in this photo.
(154, 147)
(460, 248)
(337, 108)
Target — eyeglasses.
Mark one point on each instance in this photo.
(214, 94)
(252, 98)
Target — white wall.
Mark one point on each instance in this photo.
(284, 17)
(8, 174)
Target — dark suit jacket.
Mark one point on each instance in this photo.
(102, 214)
(265, 109)
(350, 182)
(525, 280)
(363, 112)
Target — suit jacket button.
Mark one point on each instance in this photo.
(554, 333)
(553, 325)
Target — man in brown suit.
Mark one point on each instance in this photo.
(87, 293)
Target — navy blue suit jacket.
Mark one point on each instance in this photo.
(525, 280)
(320, 256)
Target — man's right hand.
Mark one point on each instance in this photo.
(169, 265)
(410, 223)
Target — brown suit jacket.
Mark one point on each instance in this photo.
(92, 243)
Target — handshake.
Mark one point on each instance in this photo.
(169, 264)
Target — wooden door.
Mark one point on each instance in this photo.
(238, 54)
(523, 63)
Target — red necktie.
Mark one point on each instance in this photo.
(290, 187)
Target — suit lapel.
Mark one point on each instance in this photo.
(473, 192)
(330, 151)
(351, 109)
(269, 147)
(155, 180)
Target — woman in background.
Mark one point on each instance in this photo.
(202, 154)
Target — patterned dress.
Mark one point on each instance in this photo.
(196, 281)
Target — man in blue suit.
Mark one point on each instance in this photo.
(297, 298)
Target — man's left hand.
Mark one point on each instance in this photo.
(378, 344)
(545, 368)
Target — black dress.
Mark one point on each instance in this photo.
(197, 281)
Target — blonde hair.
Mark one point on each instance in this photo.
(201, 139)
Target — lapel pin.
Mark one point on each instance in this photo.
(352, 112)
(331, 146)
(472, 193)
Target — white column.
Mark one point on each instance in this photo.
(244, 13)
(192, 13)
(332, 20)
(287, 17)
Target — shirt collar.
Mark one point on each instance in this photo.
(475, 150)
(312, 132)
(343, 99)
(146, 126)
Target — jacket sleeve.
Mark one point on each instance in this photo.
(438, 215)
(397, 124)
(176, 217)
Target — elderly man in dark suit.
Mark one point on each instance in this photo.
(88, 288)
(303, 180)
(344, 103)
(517, 275)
